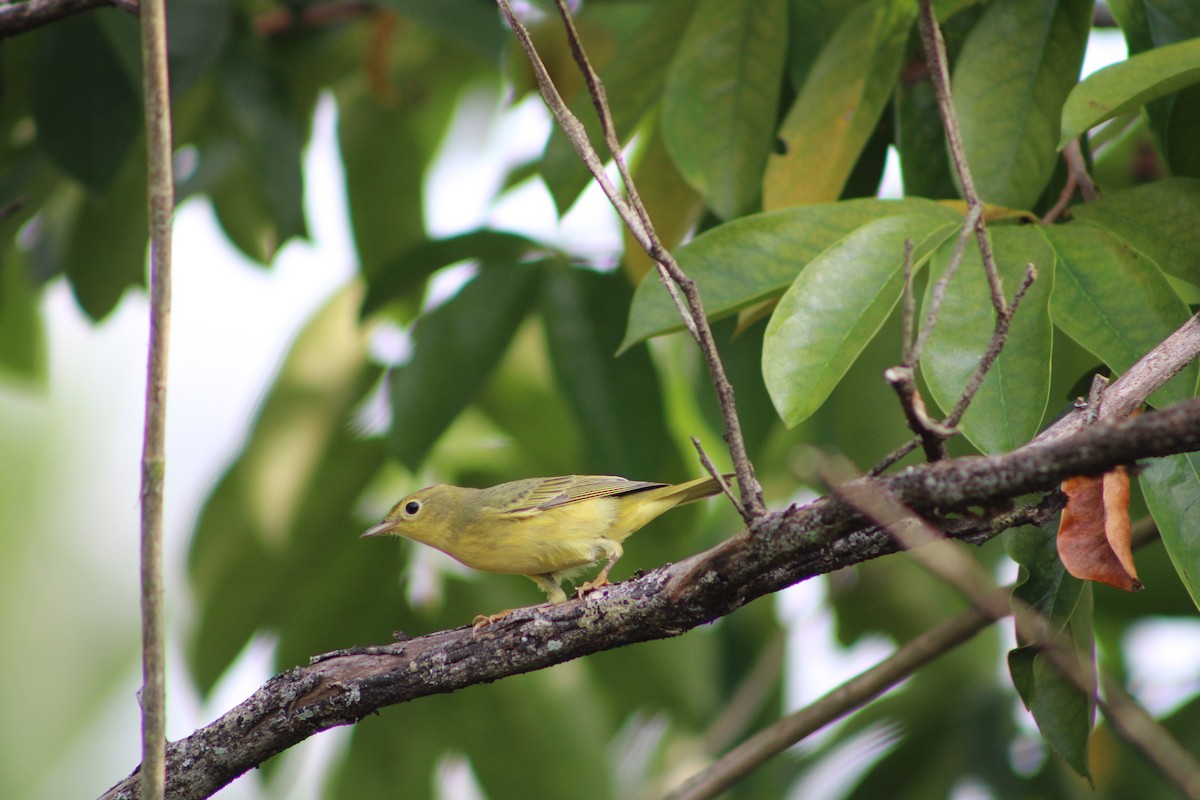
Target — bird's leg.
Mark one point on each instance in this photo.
(601, 578)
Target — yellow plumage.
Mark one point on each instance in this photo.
(545, 528)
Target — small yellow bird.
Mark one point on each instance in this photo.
(544, 528)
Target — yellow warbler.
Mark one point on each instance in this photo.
(544, 528)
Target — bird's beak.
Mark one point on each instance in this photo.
(382, 529)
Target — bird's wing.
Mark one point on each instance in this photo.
(544, 493)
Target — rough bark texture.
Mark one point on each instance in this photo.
(786, 547)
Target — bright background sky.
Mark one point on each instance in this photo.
(232, 324)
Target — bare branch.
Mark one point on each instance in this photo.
(995, 346)
(1140, 381)
(939, 73)
(959, 569)
(160, 194)
(788, 547)
(849, 696)
(633, 213)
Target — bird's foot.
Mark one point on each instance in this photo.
(482, 621)
(590, 586)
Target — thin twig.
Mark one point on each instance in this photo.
(717, 475)
(909, 308)
(1078, 179)
(853, 694)
(849, 696)
(999, 337)
(956, 567)
(939, 73)
(937, 295)
(1140, 381)
(160, 203)
(636, 218)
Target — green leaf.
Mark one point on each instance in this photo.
(838, 107)
(1171, 486)
(1008, 409)
(835, 306)
(284, 505)
(1115, 302)
(921, 139)
(617, 401)
(1130, 84)
(269, 135)
(633, 83)
(1159, 219)
(721, 97)
(455, 347)
(407, 271)
(467, 22)
(1011, 79)
(811, 24)
(383, 179)
(105, 250)
(753, 258)
(1064, 714)
(197, 32)
(86, 111)
(22, 337)
(1183, 131)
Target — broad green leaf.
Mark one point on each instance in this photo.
(386, 143)
(452, 359)
(839, 106)
(1183, 131)
(1171, 486)
(1148, 24)
(408, 270)
(105, 249)
(921, 138)
(836, 305)
(270, 133)
(85, 108)
(197, 32)
(721, 96)
(757, 257)
(1159, 219)
(1130, 84)
(811, 23)
(283, 507)
(22, 334)
(1010, 81)
(617, 401)
(633, 82)
(1115, 302)
(1008, 409)
(466, 22)
(1064, 714)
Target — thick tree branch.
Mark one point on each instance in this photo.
(802, 542)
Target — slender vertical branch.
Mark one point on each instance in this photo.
(160, 202)
(633, 213)
(939, 74)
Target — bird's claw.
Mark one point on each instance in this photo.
(590, 586)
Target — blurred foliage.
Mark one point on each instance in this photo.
(754, 125)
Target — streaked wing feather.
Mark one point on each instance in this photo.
(566, 489)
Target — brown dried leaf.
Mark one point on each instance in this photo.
(1093, 536)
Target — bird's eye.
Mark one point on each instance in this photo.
(412, 507)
